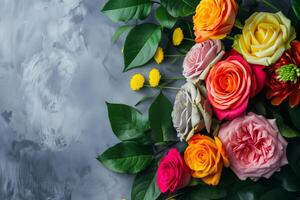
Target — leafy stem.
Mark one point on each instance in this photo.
(173, 196)
(168, 146)
(174, 55)
(229, 38)
(175, 78)
(270, 5)
(164, 87)
(238, 24)
(156, 2)
(189, 39)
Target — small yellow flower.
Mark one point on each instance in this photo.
(137, 81)
(177, 36)
(159, 55)
(154, 77)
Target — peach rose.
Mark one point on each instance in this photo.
(230, 83)
(214, 19)
(254, 146)
(205, 157)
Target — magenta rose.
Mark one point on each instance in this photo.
(172, 173)
(200, 58)
(254, 146)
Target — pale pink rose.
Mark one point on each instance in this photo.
(200, 58)
(254, 146)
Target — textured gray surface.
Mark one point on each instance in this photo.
(57, 69)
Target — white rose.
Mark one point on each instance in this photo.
(191, 111)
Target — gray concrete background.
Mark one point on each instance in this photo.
(57, 69)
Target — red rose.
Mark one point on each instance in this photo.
(296, 51)
(278, 90)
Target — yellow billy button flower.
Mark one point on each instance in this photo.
(154, 77)
(137, 81)
(159, 55)
(177, 36)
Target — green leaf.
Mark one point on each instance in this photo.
(195, 182)
(288, 179)
(293, 155)
(127, 122)
(205, 192)
(143, 99)
(296, 7)
(119, 32)
(127, 157)
(160, 119)
(144, 186)
(294, 115)
(120, 10)
(164, 18)
(228, 178)
(141, 44)
(250, 192)
(180, 8)
(277, 194)
(284, 129)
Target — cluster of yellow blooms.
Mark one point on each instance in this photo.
(177, 39)
(137, 81)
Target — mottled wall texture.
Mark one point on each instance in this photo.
(57, 69)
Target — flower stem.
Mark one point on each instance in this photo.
(270, 5)
(168, 87)
(164, 87)
(175, 55)
(173, 196)
(175, 78)
(238, 24)
(229, 37)
(168, 146)
(189, 39)
(156, 2)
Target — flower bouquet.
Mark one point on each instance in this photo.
(233, 131)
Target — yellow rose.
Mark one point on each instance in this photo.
(265, 37)
(205, 157)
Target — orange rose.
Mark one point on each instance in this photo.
(214, 19)
(205, 157)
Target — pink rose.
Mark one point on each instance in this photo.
(254, 146)
(199, 59)
(172, 173)
(230, 83)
